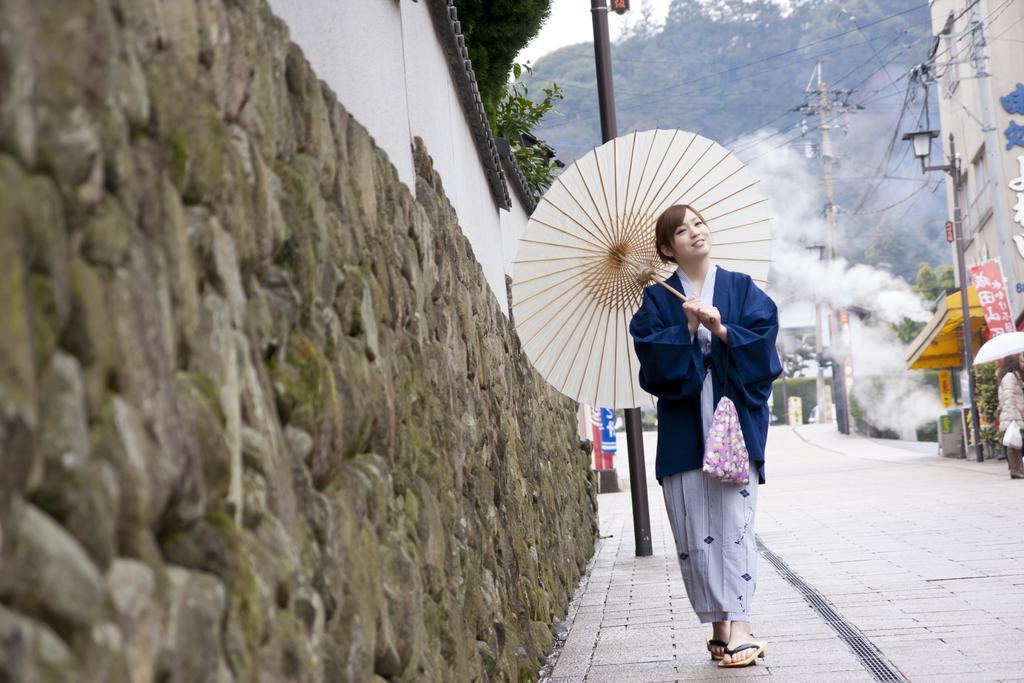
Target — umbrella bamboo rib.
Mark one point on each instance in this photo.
(654, 176)
(547, 274)
(585, 271)
(589, 356)
(600, 364)
(759, 201)
(556, 284)
(643, 173)
(718, 185)
(603, 223)
(612, 217)
(562, 246)
(731, 195)
(682, 195)
(726, 244)
(598, 223)
(589, 317)
(615, 373)
(718, 231)
(553, 258)
(580, 299)
(649, 209)
(615, 182)
(629, 171)
(629, 361)
(599, 239)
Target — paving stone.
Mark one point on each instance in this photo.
(917, 553)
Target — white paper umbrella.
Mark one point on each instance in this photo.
(576, 282)
(1000, 347)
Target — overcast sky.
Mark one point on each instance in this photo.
(570, 23)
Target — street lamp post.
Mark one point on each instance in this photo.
(922, 144)
(634, 428)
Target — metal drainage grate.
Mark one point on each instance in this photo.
(872, 659)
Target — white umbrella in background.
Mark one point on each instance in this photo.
(588, 252)
(1000, 347)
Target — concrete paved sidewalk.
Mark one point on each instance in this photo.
(920, 556)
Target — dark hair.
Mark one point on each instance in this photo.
(665, 228)
(1009, 364)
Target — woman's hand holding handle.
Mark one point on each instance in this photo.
(692, 308)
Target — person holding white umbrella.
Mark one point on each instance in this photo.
(1008, 348)
(588, 260)
(1011, 411)
(716, 347)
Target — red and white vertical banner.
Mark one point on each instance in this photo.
(987, 278)
(595, 424)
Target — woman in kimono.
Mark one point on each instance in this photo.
(685, 349)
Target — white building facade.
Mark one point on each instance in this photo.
(979, 69)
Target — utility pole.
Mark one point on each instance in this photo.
(634, 428)
(953, 168)
(823, 108)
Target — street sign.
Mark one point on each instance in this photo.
(946, 424)
(987, 278)
(796, 411)
(620, 6)
(946, 389)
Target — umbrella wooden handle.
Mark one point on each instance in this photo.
(675, 292)
(649, 274)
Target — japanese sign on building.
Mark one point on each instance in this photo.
(1013, 103)
(988, 280)
(1017, 185)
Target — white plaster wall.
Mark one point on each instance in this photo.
(383, 60)
(437, 117)
(355, 47)
(513, 225)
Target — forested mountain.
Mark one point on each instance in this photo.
(733, 69)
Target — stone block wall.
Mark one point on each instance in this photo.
(261, 418)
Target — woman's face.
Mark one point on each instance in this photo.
(691, 240)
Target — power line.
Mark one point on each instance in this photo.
(894, 204)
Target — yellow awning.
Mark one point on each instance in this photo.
(940, 343)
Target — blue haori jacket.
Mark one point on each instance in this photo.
(672, 367)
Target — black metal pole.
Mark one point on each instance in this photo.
(634, 428)
(958, 236)
(638, 483)
(603, 59)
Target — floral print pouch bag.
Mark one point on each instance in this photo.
(725, 453)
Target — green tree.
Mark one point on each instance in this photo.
(986, 389)
(516, 119)
(931, 284)
(495, 31)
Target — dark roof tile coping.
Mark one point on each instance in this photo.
(514, 174)
(449, 31)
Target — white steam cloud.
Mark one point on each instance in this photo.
(891, 396)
